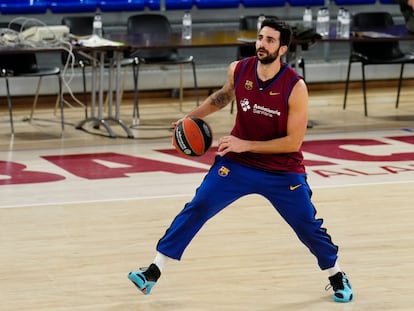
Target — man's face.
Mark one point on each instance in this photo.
(268, 45)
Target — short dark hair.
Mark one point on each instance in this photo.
(282, 27)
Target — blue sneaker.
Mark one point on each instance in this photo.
(341, 286)
(146, 279)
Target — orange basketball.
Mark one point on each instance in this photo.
(192, 137)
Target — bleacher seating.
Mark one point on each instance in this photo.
(72, 6)
(262, 3)
(354, 2)
(23, 6)
(217, 4)
(79, 6)
(306, 3)
(155, 5)
(388, 1)
(121, 5)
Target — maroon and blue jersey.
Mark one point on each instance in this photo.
(262, 114)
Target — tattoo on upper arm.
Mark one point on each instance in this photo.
(220, 99)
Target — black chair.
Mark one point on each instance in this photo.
(25, 65)
(155, 25)
(375, 53)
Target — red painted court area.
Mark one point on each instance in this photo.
(330, 160)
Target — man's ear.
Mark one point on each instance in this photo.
(283, 49)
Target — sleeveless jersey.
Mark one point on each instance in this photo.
(262, 112)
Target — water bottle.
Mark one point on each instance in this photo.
(339, 20)
(260, 20)
(97, 25)
(187, 26)
(307, 18)
(326, 21)
(346, 24)
(322, 22)
(319, 21)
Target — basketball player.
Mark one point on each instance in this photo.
(262, 155)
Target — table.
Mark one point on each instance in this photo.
(97, 55)
(207, 39)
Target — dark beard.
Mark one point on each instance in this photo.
(270, 58)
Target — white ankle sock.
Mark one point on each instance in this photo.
(161, 260)
(334, 270)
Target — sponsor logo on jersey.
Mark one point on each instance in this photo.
(271, 93)
(265, 111)
(245, 105)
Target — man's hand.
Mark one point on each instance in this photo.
(175, 123)
(232, 144)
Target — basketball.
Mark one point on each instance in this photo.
(192, 137)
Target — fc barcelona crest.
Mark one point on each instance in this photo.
(248, 85)
(223, 171)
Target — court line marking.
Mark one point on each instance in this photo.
(183, 195)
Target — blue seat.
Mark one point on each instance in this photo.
(170, 4)
(121, 5)
(306, 2)
(72, 6)
(262, 3)
(388, 2)
(23, 6)
(217, 4)
(354, 2)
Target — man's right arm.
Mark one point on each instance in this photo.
(218, 100)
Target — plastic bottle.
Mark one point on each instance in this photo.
(97, 25)
(346, 24)
(260, 20)
(319, 21)
(307, 18)
(327, 21)
(323, 22)
(187, 26)
(339, 20)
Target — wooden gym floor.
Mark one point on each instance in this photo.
(81, 211)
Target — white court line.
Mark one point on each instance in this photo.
(155, 197)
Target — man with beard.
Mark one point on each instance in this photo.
(262, 155)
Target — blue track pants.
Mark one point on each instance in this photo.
(228, 181)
